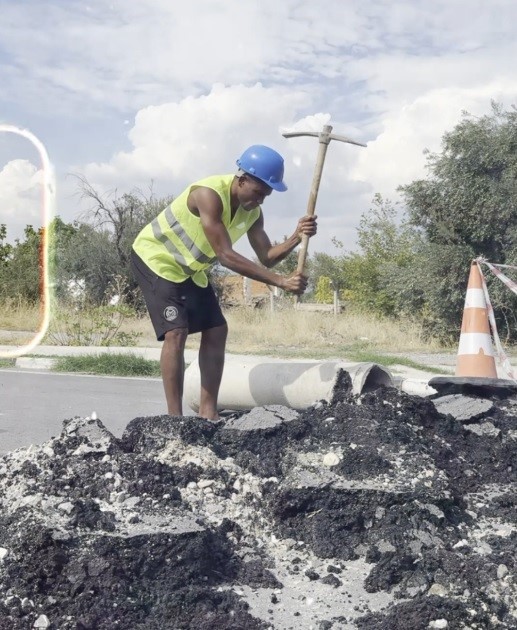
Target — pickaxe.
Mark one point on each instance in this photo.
(324, 138)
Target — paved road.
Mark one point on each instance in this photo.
(34, 404)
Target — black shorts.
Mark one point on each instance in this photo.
(176, 304)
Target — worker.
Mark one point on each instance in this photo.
(171, 254)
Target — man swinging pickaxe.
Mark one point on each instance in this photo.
(324, 138)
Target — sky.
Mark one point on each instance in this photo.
(152, 95)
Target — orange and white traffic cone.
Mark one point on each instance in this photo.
(476, 355)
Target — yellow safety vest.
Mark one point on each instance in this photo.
(174, 244)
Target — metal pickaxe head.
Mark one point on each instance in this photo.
(324, 138)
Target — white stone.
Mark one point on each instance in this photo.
(330, 459)
(3, 552)
(439, 624)
(437, 589)
(42, 622)
(502, 570)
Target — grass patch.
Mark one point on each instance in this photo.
(364, 356)
(109, 365)
(19, 314)
(7, 363)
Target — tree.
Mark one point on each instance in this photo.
(5, 248)
(60, 236)
(106, 234)
(20, 271)
(326, 265)
(324, 292)
(87, 259)
(466, 208)
(470, 197)
(386, 245)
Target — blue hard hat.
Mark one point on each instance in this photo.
(264, 164)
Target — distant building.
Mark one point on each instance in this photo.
(240, 291)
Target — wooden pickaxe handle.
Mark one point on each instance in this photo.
(324, 138)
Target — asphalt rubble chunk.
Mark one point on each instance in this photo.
(382, 511)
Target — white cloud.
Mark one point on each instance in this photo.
(177, 143)
(129, 53)
(20, 197)
(193, 83)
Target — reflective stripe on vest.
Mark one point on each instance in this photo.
(174, 246)
(175, 226)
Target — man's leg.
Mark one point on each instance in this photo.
(211, 364)
(172, 364)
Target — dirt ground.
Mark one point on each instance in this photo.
(384, 511)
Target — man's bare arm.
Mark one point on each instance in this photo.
(270, 255)
(209, 207)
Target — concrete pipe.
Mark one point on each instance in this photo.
(255, 382)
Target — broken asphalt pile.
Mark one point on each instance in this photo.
(384, 511)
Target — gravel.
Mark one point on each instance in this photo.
(373, 512)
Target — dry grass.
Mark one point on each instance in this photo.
(304, 334)
(320, 335)
(18, 321)
(283, 333)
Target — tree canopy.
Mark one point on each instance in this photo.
(470, 196)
